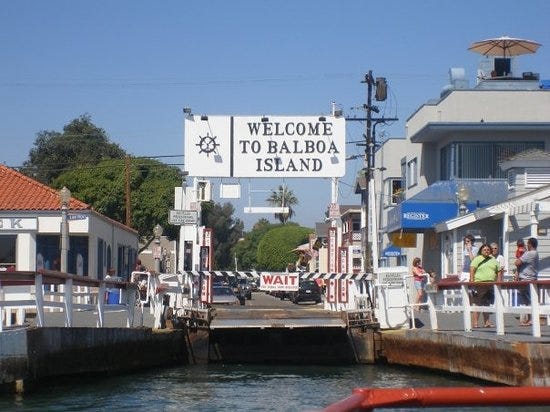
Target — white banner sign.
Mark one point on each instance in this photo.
(277, 281)
(268, 146)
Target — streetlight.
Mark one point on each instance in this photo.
(462, 197)
(64, 197)
(157, 231)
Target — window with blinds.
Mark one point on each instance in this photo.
(479, 160)
(537, 177)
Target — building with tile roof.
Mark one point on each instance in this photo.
(30, 231)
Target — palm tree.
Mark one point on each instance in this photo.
(284, 198)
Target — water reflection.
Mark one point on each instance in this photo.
(230, 388)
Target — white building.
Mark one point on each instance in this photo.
(451, 160)
(30, 232)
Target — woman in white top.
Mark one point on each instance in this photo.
(500, 260)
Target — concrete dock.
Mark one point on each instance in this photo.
(516, 358)
(30, 354)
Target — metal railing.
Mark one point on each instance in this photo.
(48, 291)
(505, 302)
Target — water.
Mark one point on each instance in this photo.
(228, 388)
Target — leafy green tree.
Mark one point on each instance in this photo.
(275, 247)
(227, 230)
(283, 197)
(246, 248)
(104, 187)
(81, 143)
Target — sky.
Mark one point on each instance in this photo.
(133, 65)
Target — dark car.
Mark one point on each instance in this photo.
(244, 288)
(308, 291)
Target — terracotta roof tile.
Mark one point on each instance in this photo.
(19, 192)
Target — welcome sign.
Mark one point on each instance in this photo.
(267, 146)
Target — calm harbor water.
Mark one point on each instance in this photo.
(228, 388)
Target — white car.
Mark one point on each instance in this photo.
(224, 295)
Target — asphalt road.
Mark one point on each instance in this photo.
(261, 300)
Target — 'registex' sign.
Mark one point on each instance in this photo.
(267, 146)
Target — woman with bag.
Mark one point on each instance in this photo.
(484, 268)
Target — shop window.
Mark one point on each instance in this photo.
(412, 172)
(394, 191)
(78, 255)
(100, 258)
(7, 251)
(48, 248)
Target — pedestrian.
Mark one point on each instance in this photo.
(483, 268)
(500, 259)
(419, 276)
(139, 267)
(527, 270)
(469, 252)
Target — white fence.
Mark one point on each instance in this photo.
(505, 302)
(51, 291)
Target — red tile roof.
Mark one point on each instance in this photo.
(19, 192)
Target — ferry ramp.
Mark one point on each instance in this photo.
(267, 330)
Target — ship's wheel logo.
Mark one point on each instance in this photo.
(207, 144)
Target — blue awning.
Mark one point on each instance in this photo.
(437, 203)
(392, 251)
(419, 216)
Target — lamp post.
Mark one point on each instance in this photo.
(462, 197)
(157, 231)
(64, 197)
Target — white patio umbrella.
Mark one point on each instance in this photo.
(504, 46)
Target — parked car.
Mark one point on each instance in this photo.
(308, 291)
(224, 295)
(281, 294)
(244, 288)
(254, 285)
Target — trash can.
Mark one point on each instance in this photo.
(113, 296)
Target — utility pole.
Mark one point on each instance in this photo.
(369, 238)
(128, 194)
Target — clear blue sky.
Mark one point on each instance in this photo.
(133, 66)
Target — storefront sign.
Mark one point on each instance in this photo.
(15, 223)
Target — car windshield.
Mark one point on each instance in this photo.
(220, 291)
(308, 284)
